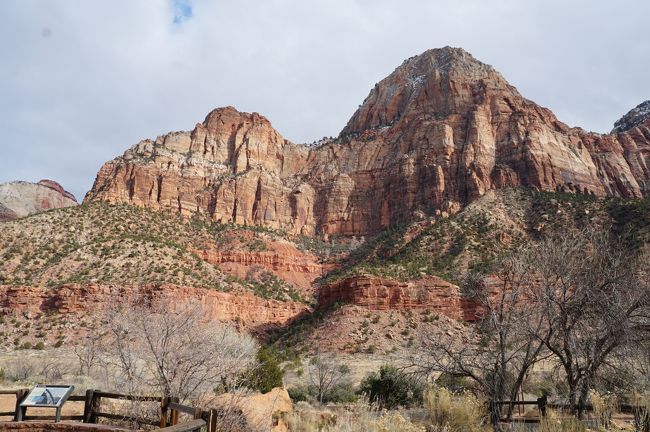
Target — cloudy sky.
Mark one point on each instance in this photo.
(81, 81)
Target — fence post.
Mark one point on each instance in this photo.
(88, 405)
(212, 423)
(95, 403)
(164, 408)
(20, 395)
(541, 405)
(174, 414)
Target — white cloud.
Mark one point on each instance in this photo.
(82, 81)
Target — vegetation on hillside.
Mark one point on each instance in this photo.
(111, 244)
(488, 229)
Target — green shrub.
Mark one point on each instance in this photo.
(390, 388)
(39, 346)
(341, 393)
(451, 382)
(267, 374)
(299, 393)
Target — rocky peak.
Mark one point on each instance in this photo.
(437, 83)
(635, 117)
(21, 198)
(57, 187)
(439, 132)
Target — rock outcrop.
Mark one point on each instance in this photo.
(254, 313)
(636, 117)
(19, 199)
(375, 293)
(233, 167)
(437, 133)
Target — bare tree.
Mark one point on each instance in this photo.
(502, 351)
(326, 373)
(87, 351)
(593, 295)
(173, 352)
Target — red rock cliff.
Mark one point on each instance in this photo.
(437, 133)
(253, 312)
(432, 293)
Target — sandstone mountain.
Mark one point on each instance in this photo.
(437, 133)
(18, 199)
(444, 167)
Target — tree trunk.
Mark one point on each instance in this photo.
(582, 401)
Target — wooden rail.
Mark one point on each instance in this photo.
(92, 406)
(543, 405)
(170, 409)
(190, 426)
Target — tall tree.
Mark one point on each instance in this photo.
(593, 294)
(502, 351)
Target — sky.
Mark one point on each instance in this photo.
(82, 81)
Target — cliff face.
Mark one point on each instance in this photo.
(437, 133)
(19, 198)
(252, 312)
(233, 167)
(374, 293)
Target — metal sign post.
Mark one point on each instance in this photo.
(46, 396)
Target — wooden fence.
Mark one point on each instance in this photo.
(169, 411)
(543, 406)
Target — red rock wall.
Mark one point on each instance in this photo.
(251, 311)
(437, 133)
(376, 293)
(293, 266)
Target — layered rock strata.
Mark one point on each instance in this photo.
(19, 198)
(252, 312)
(375, 293)
(437, 133)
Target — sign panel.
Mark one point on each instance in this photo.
(47, 396)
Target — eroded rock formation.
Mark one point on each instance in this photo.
(19, 198)
(437, 133)
(375, 293)
(252, 312)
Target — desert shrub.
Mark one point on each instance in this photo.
(339, 393)
(42, 367)
(299, 393)
(267, 374)
(451, 382)
(641, 412)
(462, 413)
(39, 346)
(604, 408)
(390, 388)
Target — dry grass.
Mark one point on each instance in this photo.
(455, 413)
(358, 418)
